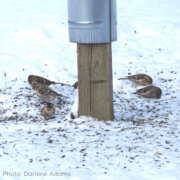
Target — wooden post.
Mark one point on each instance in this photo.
(95, 80)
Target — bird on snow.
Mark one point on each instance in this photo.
(38, 79)
(46, 94)
(48, 111)
(150, 92)
(139, 79)
(75, 85)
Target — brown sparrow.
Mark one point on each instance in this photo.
(150, 92)
(45, 93)
(139, 79)
(48, 110)
(38, 79)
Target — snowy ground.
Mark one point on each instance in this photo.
(141, 143)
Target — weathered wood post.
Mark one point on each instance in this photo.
(92, 25)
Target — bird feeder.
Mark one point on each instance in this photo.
(92, 25)
(92, 21)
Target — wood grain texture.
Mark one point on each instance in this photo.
(84, 78)
(95, 80)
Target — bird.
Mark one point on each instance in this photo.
(75, 85)
(150, 92)
(139, 79)
(44, 93)
(48, 110)
(38, 79)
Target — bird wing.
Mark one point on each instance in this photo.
(43, 91)
(137, 80)
(51, 92)
(150, 93)
(60, 95)
(145, 90)
(42, 80)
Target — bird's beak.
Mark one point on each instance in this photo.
(151, 84)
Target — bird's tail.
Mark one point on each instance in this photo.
(59, 83)
(123, 79)
(60, 95)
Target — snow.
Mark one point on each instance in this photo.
(143, 140)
